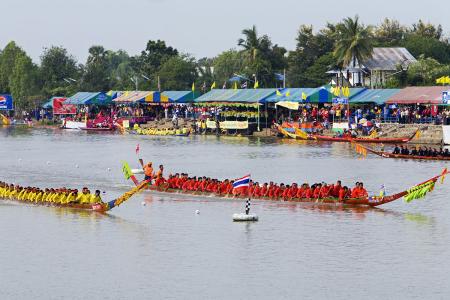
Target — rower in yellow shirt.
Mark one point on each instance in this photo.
(96, 198)
(84, 196)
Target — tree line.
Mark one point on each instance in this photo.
(254, 57)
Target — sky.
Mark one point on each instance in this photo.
(198, 27)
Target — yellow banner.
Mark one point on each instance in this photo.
(228, 124)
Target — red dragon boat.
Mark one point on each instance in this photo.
(415, 192)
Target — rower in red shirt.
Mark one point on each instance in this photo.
(324, 191)
(264, 190)
(293, 191)
(336, 189)
(285, 194)
(362, 191)
(316, 191)
(343, 193)
(256, 190)
(279, 192)
(355, 191)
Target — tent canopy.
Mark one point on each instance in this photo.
(419, 95)
(236, 96)
(141, 97)
(379, 96)
(88, 98)
(180, 96)
(291, 95)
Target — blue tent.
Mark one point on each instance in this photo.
(87, 98)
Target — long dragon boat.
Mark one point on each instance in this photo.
(98, 207)
(415, 192)
(384, 154)
(317, 137)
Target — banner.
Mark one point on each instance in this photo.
(340, 100)
(59, 108)
(228, 124)
(6, 102)
(446, 97)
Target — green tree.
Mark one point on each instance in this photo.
(427, 46)
(317, 73)
(23, 82)
(389, 33)
(178, 73)
(424, 71)
(156, 53)
(8, 58)
(96, 76)
(226, 64)
(57, 71)
(427, 30)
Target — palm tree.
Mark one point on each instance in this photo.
(251, 43)
(256, 51)
(96, 54)
(354, 42)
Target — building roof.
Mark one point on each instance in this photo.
(87, 98)
(237, 96)
(419, 95)
(388, 59)
(379, 96)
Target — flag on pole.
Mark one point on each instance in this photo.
(304, 96)
(279, 94)
(193, 86)
(288, 94)
(235, 86)
(244, 85)
(137, 149)
(224, 86)
(444, 172)
(256, 84)
(213, 85)
(243, 182)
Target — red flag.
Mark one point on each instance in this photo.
(137, 149)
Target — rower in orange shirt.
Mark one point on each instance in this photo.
(355, 191)
(148, 171)
(362, 190)
(324, 191)
(256, 190)
(343, 193)
(159, 176)
(264, 190)
(293, 191)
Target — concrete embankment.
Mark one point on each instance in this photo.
(429, 134)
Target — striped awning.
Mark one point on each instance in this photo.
(141, 97)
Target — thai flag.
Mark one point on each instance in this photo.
(242, 182)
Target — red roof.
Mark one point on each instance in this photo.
(419, 94)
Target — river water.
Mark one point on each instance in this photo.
(164, 250)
